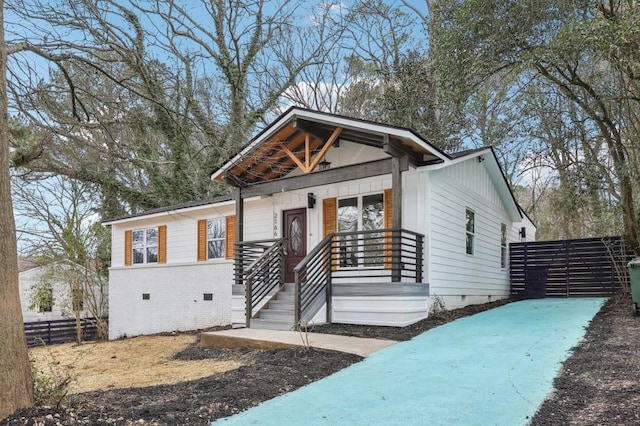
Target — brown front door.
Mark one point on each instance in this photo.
(295, 234)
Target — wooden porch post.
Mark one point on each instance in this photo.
(399, 159)
(239, 235)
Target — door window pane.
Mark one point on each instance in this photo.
(295, 235)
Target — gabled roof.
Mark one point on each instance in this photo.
(300, 137)
(499, 179)
(307, 134)
(24, 264)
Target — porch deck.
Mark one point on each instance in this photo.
(379, 303)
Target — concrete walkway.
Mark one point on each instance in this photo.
(493, 368)
(275, 339)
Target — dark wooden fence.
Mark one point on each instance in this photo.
(59, 331)
(569, 268)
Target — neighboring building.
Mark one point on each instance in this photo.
(58, 306)
(368, 217)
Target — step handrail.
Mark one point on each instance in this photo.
(262, 276)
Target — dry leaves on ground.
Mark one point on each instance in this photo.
(136, 362)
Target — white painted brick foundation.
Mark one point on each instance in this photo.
(176, 301)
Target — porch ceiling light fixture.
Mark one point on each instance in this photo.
(324, 165)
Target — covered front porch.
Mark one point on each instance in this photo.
(342, 254)
(367, 277)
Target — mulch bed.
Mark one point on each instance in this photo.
(600, 383)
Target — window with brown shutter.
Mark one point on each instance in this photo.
(202, 240)
(231, 237)
(162, 244)
(127, 247)
(330, 221)
(329, 216)
(216, 238)
(145, 245)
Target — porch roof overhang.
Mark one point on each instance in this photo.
(300, 138)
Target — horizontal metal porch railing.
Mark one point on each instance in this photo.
(381, 255)
(246, 253)
(260, 266)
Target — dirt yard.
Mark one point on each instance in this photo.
(139, 362)
(600, 382)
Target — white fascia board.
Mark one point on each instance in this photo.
(169, 213)
(451, 161)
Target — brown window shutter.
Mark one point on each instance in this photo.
(329, 216)
(202, 240)
(162, 244)
(128, 237)
(388, 223)
(388, 208)
(230, 237)
(330, 222)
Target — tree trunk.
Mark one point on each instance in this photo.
(16, 384)
(78, 328)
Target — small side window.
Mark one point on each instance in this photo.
(470, 230)
(503, 245)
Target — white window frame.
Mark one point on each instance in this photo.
(503, 246)
(470, 235)
(359, 225)
(145, 246)
(223, 221)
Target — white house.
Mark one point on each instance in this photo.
(331, 219)
(48, 279)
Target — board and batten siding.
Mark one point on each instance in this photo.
(453, 274)
(297, 199)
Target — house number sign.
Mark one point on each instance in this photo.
(275, 225)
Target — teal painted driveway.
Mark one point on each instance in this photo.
(492, 368)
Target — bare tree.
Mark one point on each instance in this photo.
(198, 78)
(16, 386)
(59, 225)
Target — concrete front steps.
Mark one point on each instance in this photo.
(278, 312)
